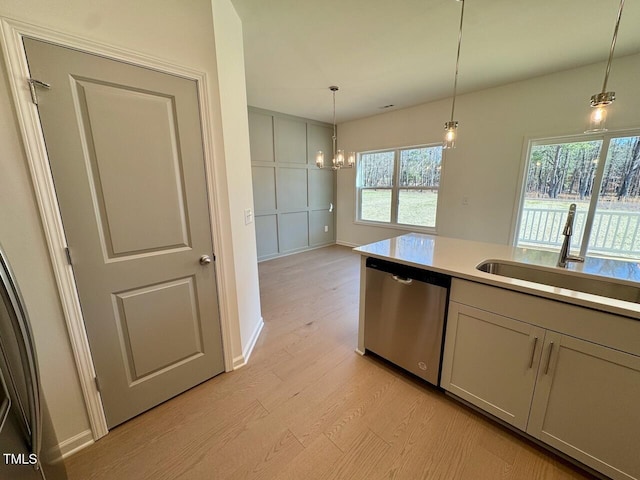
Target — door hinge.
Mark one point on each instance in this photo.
(32, 88)
(68, 253)
(95, 379)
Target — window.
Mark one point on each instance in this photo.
(607, 194)
(399, 187)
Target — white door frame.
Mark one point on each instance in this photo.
(12, 32)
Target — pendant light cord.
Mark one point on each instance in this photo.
(613, 46)
(455, 78)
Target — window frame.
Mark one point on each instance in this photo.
(395, 190)
(606, 137)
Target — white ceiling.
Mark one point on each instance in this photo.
(402, 52)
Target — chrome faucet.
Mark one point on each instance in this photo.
(564, 257)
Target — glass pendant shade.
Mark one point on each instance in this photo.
(450, 134)
(598, 117)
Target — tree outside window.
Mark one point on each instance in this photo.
(400, 187)
(607, 194)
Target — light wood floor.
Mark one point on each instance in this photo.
(308, 407)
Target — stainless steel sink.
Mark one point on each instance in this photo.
(563, 279)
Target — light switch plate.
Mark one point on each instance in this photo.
(248, 216)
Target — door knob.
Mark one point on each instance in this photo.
(205, 260)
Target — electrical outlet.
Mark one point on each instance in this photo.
(465, 200)
(326, 228)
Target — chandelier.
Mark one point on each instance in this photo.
(338, 160)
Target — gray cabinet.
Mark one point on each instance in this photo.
(293, 199)
(521, 359)
(496, 362)
(586, 404)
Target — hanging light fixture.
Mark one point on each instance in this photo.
(451, 127)
(338, 155)
(600, 101)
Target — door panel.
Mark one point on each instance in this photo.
(158, 326)
(491, 361)
(133, 220)
(125, 147)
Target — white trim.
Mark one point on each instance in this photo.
(294, 252)
(348, 244)
(17, 69)
(517, 207)
(242, 360)
(75, 444)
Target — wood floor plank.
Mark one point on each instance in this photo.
(315, 462)
(308, 407)
(361, 457)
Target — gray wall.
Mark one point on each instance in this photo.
(292, 197)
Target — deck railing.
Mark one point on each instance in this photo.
(613, 233)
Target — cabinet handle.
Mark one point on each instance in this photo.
(533, 351)
(546, 369)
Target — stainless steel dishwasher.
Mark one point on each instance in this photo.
(405, 310)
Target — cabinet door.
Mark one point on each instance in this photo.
(491, 361)
(587, 404)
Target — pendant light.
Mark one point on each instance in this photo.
(338, 155)
(451, 127)
(600, 101)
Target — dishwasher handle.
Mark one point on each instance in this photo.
(405, 272)
(402, 280)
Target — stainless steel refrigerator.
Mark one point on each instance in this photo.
(28, 444)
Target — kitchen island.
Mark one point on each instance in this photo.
(560, 366)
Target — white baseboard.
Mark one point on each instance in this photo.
(72, 445)
(241, 361)
(347, 244)
(294, 252)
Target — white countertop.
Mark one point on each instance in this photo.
(459, 258)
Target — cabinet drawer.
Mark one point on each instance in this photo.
(609, 330)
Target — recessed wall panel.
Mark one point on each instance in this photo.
(293, 231)
(320, 138)
(264, 188)
(266, 235)
(321, 188)
(292, 188)
(136, 169)
(261, 137)
(291, 140)
(318, 220)
(159, 326)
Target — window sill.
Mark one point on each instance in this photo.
(396, 226)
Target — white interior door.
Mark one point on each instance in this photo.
(126, 153)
